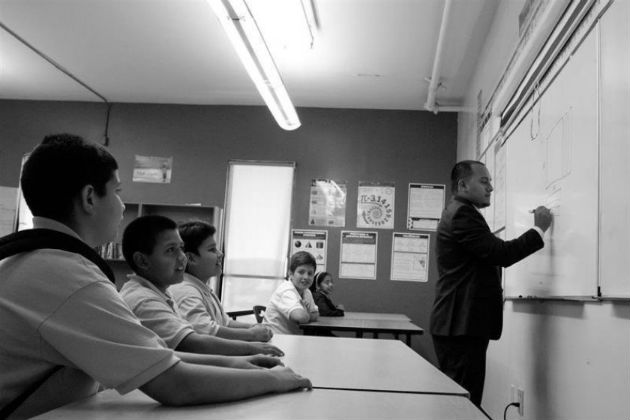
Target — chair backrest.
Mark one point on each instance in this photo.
(259, 312)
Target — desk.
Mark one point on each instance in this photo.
(376, 315)
(368, 365)
(362, 325)
(315, 404)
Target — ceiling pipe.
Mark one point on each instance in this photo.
(431, 104)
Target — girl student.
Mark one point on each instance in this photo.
(323, 286)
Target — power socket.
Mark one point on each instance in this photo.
(520, 399)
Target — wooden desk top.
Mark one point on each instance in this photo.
(315, 404)
(375, 315)
(353, 363)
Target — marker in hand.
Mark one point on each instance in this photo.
(542, 217)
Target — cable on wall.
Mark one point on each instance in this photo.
(514, 404)
(66, 72)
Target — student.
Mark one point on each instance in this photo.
(196, 302)
(323, 285)
(292, 302)
(155, 252)
(64, 327)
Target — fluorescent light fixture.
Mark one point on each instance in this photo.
(288, 25)
(241, 28)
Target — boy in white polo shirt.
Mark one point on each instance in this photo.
(195, 300)
(154, 250)
(63, 325)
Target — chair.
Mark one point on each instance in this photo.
(236, 314)
(259, 312)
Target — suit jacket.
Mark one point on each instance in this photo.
(469, 296)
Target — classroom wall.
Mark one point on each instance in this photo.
(572, 359)
(343, 144)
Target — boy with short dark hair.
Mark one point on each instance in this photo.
(155, 251)
(292, 303)
(65, 328)
(196, 302)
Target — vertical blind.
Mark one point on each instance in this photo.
(257, 227)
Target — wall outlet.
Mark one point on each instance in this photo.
(520, 399)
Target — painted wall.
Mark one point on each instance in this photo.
(350, 145)
(572, 359)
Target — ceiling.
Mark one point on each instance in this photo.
(373, 54)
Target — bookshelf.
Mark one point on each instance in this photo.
(112, 251)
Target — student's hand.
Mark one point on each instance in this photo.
(261, 333)
(256, 361)
(266, 348)
(287, 380)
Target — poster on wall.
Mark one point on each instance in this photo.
(327, 203)
(499, 186)
(152, 169)
(24, 215)
(425, 205)
(375, 205)
(312, 241)
(358, 255)
(8, 203)
(410, 257)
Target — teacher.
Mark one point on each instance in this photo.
(468, 307)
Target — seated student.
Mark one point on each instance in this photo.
(323, 285)
(292, 302)
(196, 302)
(64, 327)
(155, 252)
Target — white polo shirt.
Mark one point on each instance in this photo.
(156, 310)
(58, 309)
(285, 300)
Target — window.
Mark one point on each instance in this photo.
(257, 227)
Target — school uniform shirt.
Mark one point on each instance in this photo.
(285, 300)
(57, 308)
(199, 305)
(156, 310)
(326, 305)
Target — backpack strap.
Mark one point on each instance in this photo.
(32, 239)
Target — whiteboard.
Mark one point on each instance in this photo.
(552, 160)
(614, 248)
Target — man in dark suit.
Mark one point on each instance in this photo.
(468, 307)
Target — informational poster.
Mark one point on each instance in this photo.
(410, 256)
(8, 203)
(425, 205)
(328, 203)
(312, 241)
(488, 160)
(152, 169)
(375, 205)
(358, 255)
(499, 186)
(24, 215)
